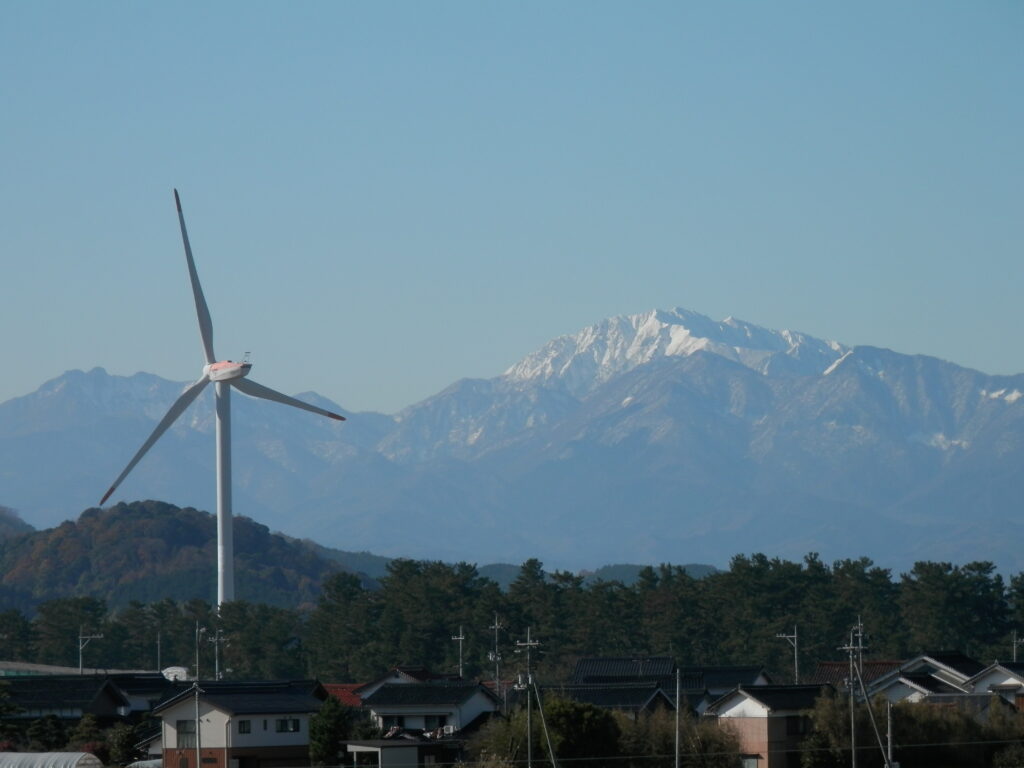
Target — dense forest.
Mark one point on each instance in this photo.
(352, 632)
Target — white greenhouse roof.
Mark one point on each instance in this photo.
(49, 760)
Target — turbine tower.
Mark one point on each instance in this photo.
(224, 374)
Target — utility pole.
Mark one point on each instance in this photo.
(496, 658)
(888, 734)
(217, 639)
(199, 631)
(677, 717)
(199, 753)
(1016, 642)
(158, 651)
(83, 640)
(794, 640)
(850, 682)
(460, 637)
(857, 678)
(529, 645)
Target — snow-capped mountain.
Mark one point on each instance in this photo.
(582, 362)
(664, 436)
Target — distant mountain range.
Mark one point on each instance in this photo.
(660, 437)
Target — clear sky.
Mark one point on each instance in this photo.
(384, 197)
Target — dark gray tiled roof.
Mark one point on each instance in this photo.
(61, 691)
(284, 697)
(627, 696)
(961, 662)
(719, 678)
(785, 698)
(609, 669)
(433, 693)
(930, 683)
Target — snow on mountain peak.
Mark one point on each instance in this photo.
(582, 361)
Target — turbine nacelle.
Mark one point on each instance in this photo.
(226, 370)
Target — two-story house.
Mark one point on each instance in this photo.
(770, 721)
(239, 725)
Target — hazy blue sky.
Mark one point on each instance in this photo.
(384, 197)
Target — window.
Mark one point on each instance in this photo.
(390, 721)
(186, 733)
(286, 725)
(796, 725)
(748, 761)
(245, 726)
(433, 722)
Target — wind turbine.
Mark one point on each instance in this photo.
(225, 374)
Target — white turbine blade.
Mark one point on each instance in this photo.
(250, 387)
(202, 311)
(183, 402)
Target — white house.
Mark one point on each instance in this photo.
(446, 705)
(1006, 679)
(239, 725)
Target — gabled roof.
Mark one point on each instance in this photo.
(624, 696)
(950, 667)
(61, 691)
(955, 660)
(285, 697)
(448, 693)
(927, 683)
(1009, 668)
(776, 698)
(151, 686)
(345, 693)
(610, 669)
(720, 678)
(405, 673)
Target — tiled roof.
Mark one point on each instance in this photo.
(66, 691)
(719, 678)
(409, 673)
(961, 662)
(345, 693)
(627, 696)
(930, 683)
(836, 672)
(611, 669)
(284, 697)
(778, 698)
(433, 693)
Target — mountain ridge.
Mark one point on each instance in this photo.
(639, 439)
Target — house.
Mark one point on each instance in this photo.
(403, 675)
(68, 697)
(770, 721)
(425, 722)
(619, 669)
(406, 750)
(931, 673)
(1006, 679)
(699, 686)
(836, 673)
(632, 698)
(450, 705)
(239, 725)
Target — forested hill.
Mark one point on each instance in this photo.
(146, 551)
(149, 550)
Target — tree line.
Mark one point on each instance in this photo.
(353, 633)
